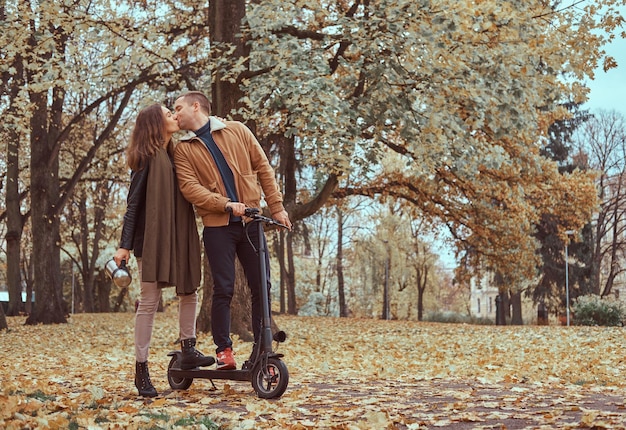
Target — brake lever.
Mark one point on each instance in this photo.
(270, 221)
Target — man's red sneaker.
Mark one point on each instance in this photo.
(225, 360)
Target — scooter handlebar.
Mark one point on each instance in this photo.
(255, 213)
(251, 212)
(258, 217)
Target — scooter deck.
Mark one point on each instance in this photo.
(234, 374)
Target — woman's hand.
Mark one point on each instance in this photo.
(121, 254)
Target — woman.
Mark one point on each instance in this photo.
(160, 227)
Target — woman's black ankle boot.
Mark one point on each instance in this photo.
(142, 380)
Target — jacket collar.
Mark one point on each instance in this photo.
(216, 124)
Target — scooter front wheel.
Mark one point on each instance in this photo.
(177, 383)
(270, 378)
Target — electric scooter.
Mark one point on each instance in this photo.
(265, 369)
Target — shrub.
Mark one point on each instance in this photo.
(593, 310)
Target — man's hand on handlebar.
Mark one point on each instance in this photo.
(240, 209)
(283, 218)
(236, 208)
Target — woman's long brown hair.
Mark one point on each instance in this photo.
(147, 136)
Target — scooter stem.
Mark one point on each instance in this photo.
(266, 328)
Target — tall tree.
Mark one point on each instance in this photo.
(423, 264)
(602, 147)
(45, 128)
(12, 134)
(550, 290)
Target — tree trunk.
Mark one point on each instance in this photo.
(500, 308)
(77, 297)
(421, 274)
(241, 307)
(27, 275)
(292, 305)
(516, 307)
(596, 260)
(343, 308)
(15, 219)
(225, 17)
(616, 240)
(203, 321)
(103, 291)
(45, 124)
(287, 170)
(420, 304)
(385, 314)
(3, 320)
(119, 300)
(279, 249)
(13, 240)
(44, 169)
(83, 247)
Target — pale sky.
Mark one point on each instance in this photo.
(608, 89)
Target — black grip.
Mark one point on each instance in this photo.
(249, 212)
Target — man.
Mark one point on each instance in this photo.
(219, 169)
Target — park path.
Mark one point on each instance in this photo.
(426, 404)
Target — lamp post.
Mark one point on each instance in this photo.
(72, 288)
(386, 285)
(568, 233)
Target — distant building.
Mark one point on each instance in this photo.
(4, 299)
(483, 296)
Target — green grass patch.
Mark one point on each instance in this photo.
(207, 422)
(156, 416)
(41, 396)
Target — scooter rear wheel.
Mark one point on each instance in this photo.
(270, 378)
(177, 383)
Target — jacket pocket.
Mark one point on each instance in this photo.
(250, 190)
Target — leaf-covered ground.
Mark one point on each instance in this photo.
(344, 374)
